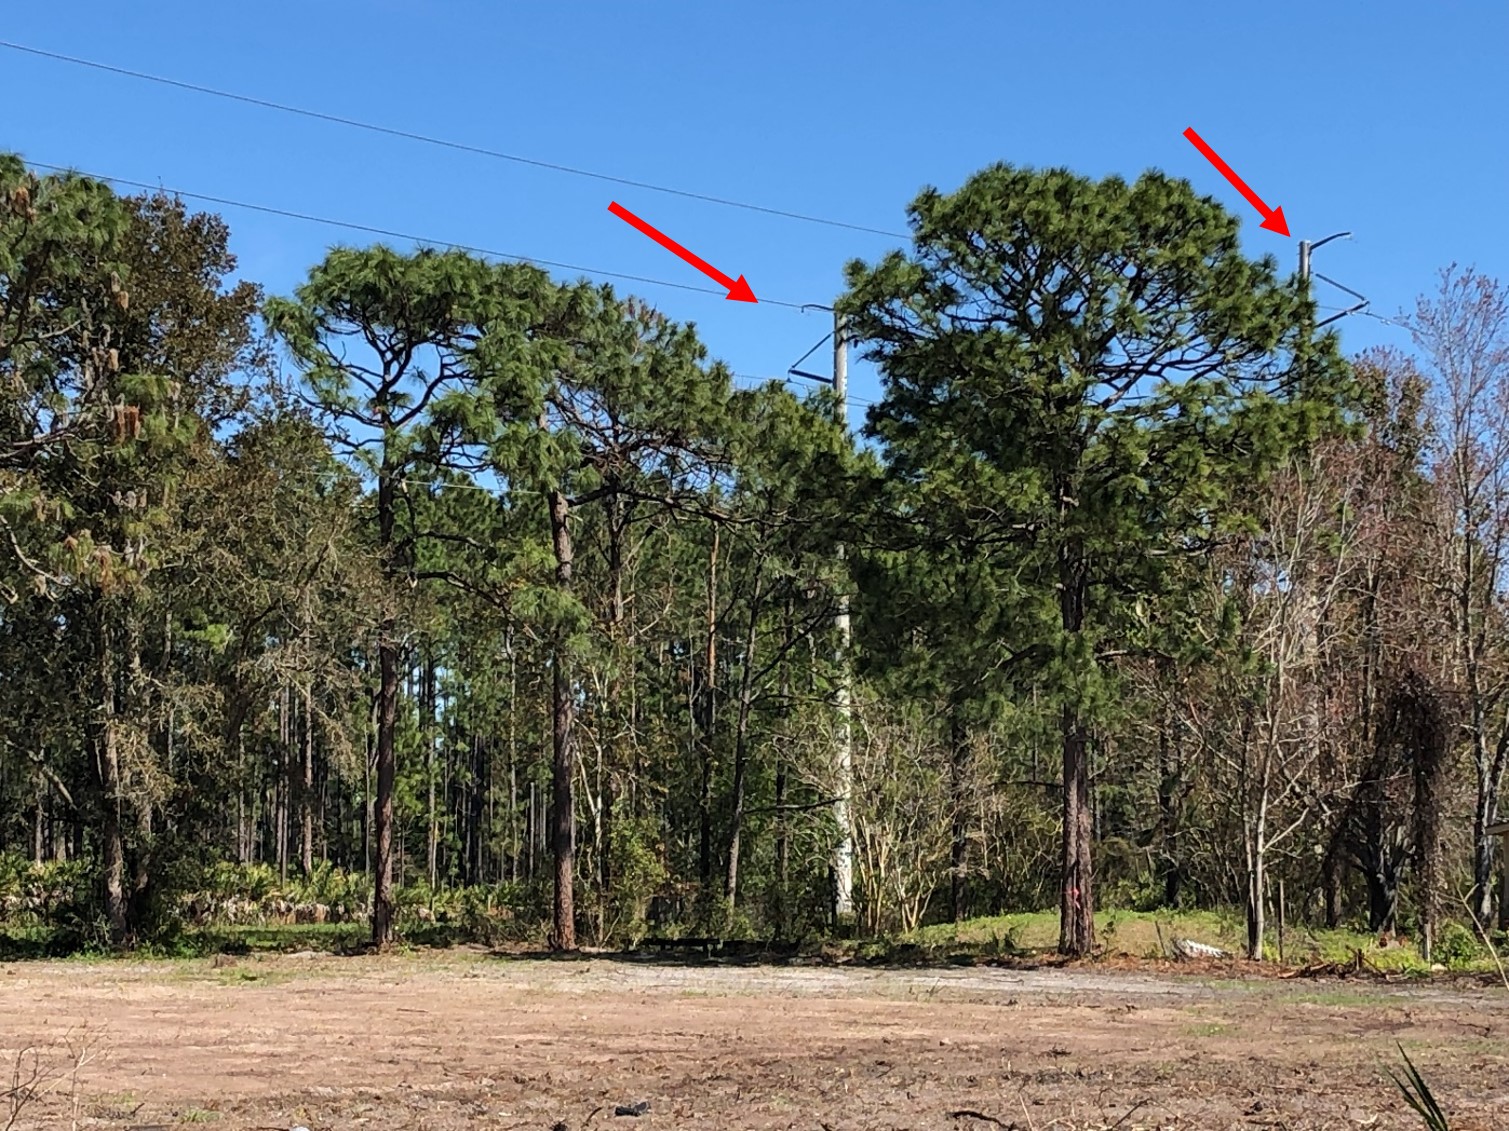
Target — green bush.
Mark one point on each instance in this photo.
(225, 880)
(332, 887)
(639, 871)
(60, 893)
(1457, 947)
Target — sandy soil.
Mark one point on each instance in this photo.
(465, 1039)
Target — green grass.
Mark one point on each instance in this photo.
(1120, 933)
(1132, 933)
(1344, 999)
(1209, 1029)
(1136, 934)
(331, 937)
(21, 943)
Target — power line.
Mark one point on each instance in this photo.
(393, 234)
(427, 139)
(397, 235)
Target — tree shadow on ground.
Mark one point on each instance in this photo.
(758, 953)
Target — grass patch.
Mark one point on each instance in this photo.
(332, 938)
(1145, 934)
(1208, 1029)
(22, 943)
(1127, 933)
(1344, 999)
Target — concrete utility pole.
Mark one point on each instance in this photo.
(1306, 249)
(843, 855)
(843, 859)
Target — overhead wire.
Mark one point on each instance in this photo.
(394, 234)
(463, 147)
(428, 139)
(390, 233)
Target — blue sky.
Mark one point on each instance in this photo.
(1386, 118)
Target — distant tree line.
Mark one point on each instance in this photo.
(443, 579)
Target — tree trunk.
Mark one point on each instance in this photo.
(1490, 780)
(482, 777)
(383, 910)
(1170, 858)
(1257, 866)
(1383, 897)
(107, 769)
(1256, 910)
(286, 791)
(427, 724)
(39, 824)
(562, 805)
(139, 900)
(621, 730)
(741, 739)
(1504, 882)
(782, 839)
(1331, 880)
(706, 708)
(306, 787)
(958, 762)
(1077, 906)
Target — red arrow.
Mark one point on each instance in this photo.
(1273, 219)
(738, 289)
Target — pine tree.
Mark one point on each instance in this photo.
(1074, 371)
(396, 350)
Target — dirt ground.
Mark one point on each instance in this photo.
(467, 1039)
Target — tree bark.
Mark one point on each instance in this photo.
(306, 787)
(958, 763)
(39, 825)
(383, 910)
(621, 730)
(1077, 905)
(1171, 861)
(1504, 882)
(1490, 781)
(108, 782)
(482, 777)
(706, 709)
(285, 793)
(1257, 877)
(782, 837)
(428, 710)
(562, 805)
(1331, 880)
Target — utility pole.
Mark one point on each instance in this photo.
(843, 855)
(1306, 249)
(843, 858)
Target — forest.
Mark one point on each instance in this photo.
(442, 589)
